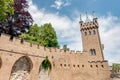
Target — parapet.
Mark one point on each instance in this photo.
(17, 41)
(89, 24)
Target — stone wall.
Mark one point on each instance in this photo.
(18, 59)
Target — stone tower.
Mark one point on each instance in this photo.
(91, 39)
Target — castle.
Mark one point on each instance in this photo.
(22, 61)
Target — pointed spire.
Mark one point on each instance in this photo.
(80, 18)
(87, 18)
(94, 16)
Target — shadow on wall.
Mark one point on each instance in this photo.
(21, 69)
(0, 62)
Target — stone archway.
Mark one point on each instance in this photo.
(21, 69)
(44, 74)
(0, 62)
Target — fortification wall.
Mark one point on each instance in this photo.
(70, 65)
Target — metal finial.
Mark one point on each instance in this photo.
(87, 19)
(80, 18)
(94, 16)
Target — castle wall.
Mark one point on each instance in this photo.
(68, 65)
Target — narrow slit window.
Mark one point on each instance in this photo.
(91, 66)
(85, 33)
(102, 66)
(89, 32)
(94, 52)
(82, 65)
(97, 66)
(94, 32)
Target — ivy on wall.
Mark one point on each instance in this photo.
(46, 65)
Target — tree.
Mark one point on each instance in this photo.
(18, 22)
(21, 21)
(5, 7)
(48, 36)
(44, 35)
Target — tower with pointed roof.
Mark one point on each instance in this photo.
(91, 39)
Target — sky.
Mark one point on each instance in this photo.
(64, 15)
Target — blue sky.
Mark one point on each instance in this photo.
(102, 7)
(64, 17)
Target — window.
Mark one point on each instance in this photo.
(97, 66)
(61, 65)
(92, 51)
(82, 65)
(85, 33)
(102, 66)
(94, 32)
(78, 65)
(89, 32)
(73, 65)
(91, 66)
(65, 65)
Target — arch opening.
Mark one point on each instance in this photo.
(44, 70)
(21, 69)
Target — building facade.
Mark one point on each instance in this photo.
(22, 61)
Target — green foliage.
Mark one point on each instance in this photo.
(48, 36)
(5, 7)
(44, 35)
(116, 67)
(46, 65)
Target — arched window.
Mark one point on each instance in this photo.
(85, 33)
(89, 32)
(94, 32)
(92, 51)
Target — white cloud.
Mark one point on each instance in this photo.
(109, 30)
(68, 31)
(60, 3)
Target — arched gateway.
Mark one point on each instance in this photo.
(21, 69)
(44, 70)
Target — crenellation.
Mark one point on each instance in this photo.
(62, 50)
(54, 49)
(72, 51)
(57, 50)
(78, 52)
(47, 49)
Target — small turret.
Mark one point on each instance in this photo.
(81, 22)
(95, 19)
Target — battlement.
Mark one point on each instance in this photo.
(5, 39)
(89, 24)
